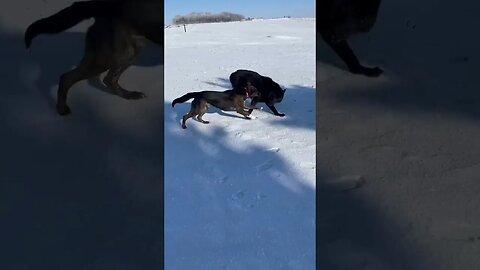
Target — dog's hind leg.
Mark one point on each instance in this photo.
(185, 118)
(199, 118)
(86, 69)
(202, 111)
(125, 48)
(111, 81)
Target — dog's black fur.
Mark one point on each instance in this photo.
(230, 100)
(269, 91)
(337, 20)
(112, 43)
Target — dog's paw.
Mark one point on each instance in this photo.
(369, 72)
(280, 114)
(373, 72)
(252, 117)
(133, 95)
(63, 110)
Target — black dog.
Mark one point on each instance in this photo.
(337, 20)
(269, 91)
(112, 43)
(229, 100)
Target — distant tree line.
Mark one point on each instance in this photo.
(207, 17)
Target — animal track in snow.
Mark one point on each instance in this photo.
(260, 196)
(274, 149)
(241, 134)
(216, 173)
(264, 166)
(244, 200)
(345, 183)
(284, 179)
(209, 148)
(221, 180)
(239, 195)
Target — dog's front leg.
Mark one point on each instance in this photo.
(344, 51)
(239, 109)
(274, 110)
(244, 113)
(250, 108)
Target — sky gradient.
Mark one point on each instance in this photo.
(248, 8)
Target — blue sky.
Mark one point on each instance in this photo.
(247, 8)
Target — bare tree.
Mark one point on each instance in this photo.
(207, 17)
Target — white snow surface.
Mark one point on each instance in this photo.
(239, 194)
(407, 140)
(83, 192)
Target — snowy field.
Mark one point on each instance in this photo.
(410, 136)
(240, 194)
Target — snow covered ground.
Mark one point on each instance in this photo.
(239, 194)
(83, 191)
(411, 136)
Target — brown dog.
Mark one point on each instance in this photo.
(230, 100)
(112, 43)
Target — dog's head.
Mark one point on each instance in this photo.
(277, 98)
(276, 93)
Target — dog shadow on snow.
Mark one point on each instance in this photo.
(79, 192)
(257, 188)
(247, 196)
(220, 82)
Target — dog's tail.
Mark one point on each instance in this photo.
(69, 17)
(185, 97)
